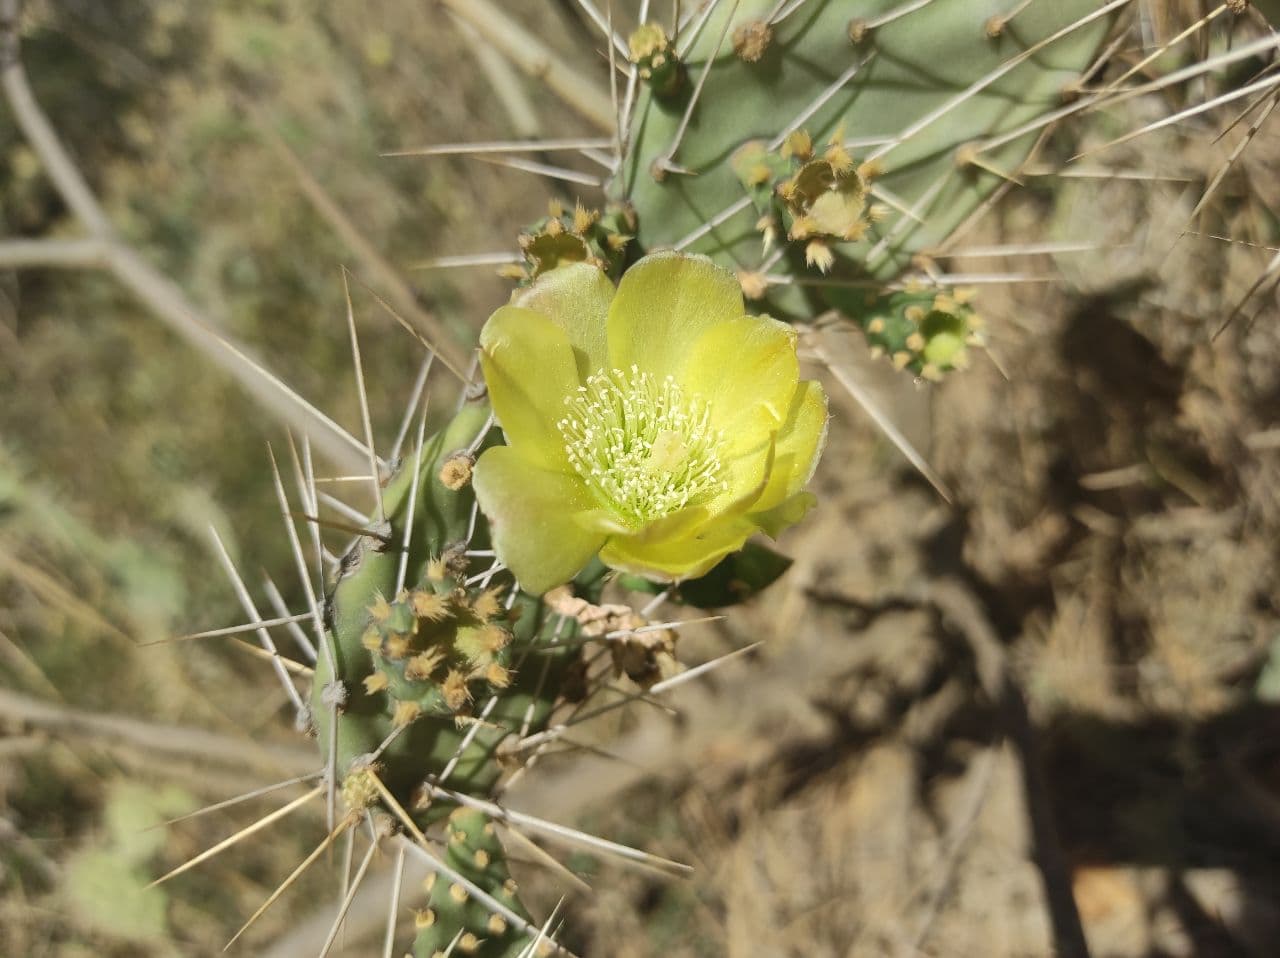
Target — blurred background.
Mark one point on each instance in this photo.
(1048, 704)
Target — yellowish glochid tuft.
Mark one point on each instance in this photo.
(656, 425)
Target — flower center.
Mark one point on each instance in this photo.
(642, 445)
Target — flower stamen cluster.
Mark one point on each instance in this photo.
(643, 445)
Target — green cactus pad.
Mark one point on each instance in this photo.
(479, 639)
(453, 916)
(920, 89)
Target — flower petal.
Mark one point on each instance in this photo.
(747, 476)
(746, 368)
(576, 298)
(787, 513)
(532, 521)
(529, 369)
(684, 557)
(664, 304)
(800, 443)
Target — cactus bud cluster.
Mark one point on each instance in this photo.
(818, 198)
(922, 330)
(580, 235)
(656, 60)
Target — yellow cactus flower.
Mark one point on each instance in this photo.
(657, 425)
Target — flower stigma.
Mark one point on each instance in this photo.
(643, 447)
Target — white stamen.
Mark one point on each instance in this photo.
(642, 445)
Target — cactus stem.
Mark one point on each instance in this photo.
(421, 847)
(251, 610)
(293, 876)
(375, 466)
(514, 819)
(348, 898)
(239, 836)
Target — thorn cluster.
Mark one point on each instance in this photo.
(820, 198)
(751, 40)
(923, 330)
(433, 646)
(582, 235)
(656, 60)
